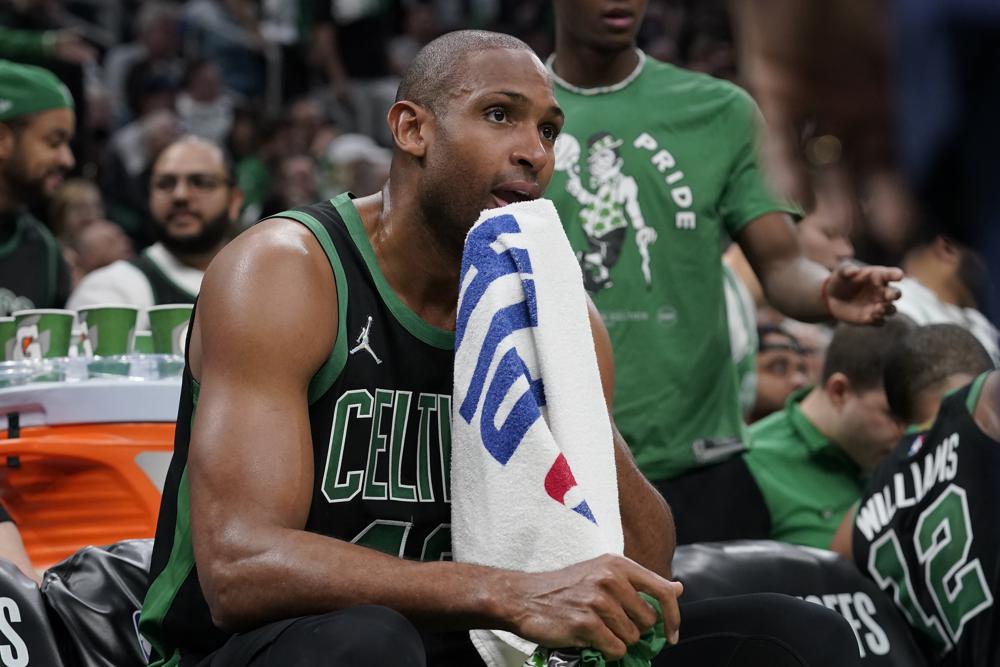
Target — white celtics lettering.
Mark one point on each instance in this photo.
(858, 609)
(13, 653)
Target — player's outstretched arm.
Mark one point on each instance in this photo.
(266, 320)
(646, 517)
(794, 284)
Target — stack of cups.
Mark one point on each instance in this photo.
(44, 344)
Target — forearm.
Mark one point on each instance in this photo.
(795, 286)
(268, 574)
(647, 521)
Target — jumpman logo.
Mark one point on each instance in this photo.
(363, 343)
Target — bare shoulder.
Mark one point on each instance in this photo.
(270, 291)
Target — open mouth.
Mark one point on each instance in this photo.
(510, 193)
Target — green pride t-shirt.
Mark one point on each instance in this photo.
(649, 175)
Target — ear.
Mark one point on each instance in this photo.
(837, 387)
(946, 251)
(410, 127)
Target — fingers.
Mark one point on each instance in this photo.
(666, 593)
(605, 641)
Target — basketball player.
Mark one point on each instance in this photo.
(313, 431)
(925, 529)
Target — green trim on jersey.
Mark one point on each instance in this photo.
(328, 372)
(433, 336)
(153, 266)
(163, 590)
(14, 241)
(977, 388)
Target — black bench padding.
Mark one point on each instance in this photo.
(96, 593)
(718, 569)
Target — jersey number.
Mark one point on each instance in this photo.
(390, 537)
(942, 540)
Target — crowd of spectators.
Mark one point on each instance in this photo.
(295, 91)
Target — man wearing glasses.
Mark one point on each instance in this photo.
(194, 206)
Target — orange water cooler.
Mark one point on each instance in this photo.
(84, 463)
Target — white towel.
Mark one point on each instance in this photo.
(532, 469)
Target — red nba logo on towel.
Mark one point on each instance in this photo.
(561, 487)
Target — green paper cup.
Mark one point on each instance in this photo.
(110, 328)
(8, 338)
(143, 342)
(43, 333)
(169, 324)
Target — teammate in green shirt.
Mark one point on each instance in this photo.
(655, 166)
(811, 460)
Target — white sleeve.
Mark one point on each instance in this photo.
(120, 282)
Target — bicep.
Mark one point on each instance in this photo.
(265, 322)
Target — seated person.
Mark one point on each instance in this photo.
(286, 535)
(781, 369)
(811, 459)
(925, 530)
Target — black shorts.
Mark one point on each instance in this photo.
(761, 630)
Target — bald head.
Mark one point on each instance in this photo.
(214, 153)
(441, 65)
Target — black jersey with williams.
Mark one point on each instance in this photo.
(927, 532)
(380, 418)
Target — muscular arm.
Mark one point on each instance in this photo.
(646, 518)
(794, 284)
(266, 321)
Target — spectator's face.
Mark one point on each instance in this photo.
(83, 208)
(36, 158)
(825, 239)
(781, 369)
(192, 202)
(101, 244)
(867, 429)
(493, 143)
(605, 25)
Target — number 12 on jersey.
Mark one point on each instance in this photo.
(942, 540)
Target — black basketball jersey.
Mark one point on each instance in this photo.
(33, 273)
(380, 411)
(164, 289)
(927, 532)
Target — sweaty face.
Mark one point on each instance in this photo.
(868, 430)
(604, 25)
(491, 142)
(41, 155)
(191, 198)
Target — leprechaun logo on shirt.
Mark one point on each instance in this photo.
(610, 202)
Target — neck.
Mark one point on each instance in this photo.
(587, 67)
(817, 409)
(418, 267)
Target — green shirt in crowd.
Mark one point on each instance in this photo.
(651, 174)
(807, 481)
